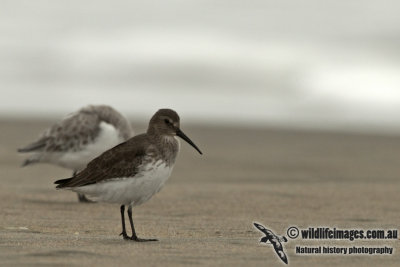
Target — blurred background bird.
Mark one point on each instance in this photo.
(79, 138)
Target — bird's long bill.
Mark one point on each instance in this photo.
(187, 139)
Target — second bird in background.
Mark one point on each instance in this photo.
(79, 138)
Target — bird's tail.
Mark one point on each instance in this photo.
(31, 160)
(62, 183)
(27, 162)
(34, 147)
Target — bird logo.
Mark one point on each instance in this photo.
(273, 240)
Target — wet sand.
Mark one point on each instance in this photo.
(204, 214)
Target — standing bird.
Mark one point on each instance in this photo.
(274, 240)
(79, 138)
(132, 172)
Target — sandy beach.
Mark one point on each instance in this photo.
(204, 214)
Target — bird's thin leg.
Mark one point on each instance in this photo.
(134, 236)
(123, 222)
(81, 197)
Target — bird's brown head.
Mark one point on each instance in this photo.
(167, 122)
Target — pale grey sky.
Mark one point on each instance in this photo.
(319, 64)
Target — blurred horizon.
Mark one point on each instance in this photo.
(304, 64)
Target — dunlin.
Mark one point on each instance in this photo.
(132, 172)
(79, 138)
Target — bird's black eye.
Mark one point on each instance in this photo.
(167, 121)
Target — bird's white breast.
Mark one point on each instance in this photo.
(130, 190)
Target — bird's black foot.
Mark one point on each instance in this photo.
(136, 239)
(125, 236)
(83, 199)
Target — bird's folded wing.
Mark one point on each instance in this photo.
(79, 126)
(38, 145)
(61, 136)
(124, 160)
